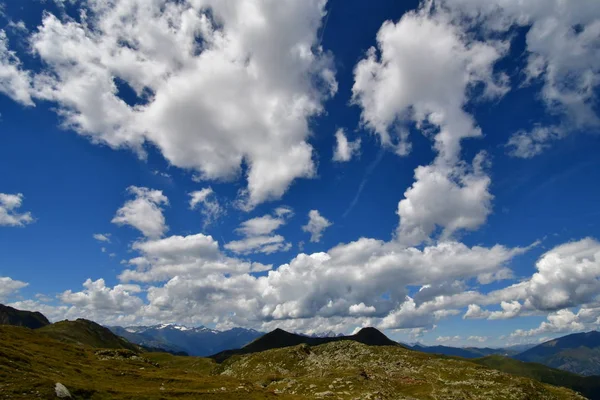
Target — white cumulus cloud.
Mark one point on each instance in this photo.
(344, 149)
(361, 309)
(561, 321)
(562, 49)
(421, 73)
(9, 216)
(144, 212)
(9, 286)
(446, 339)
(259, 234)
(453, 198)
(478, 339)
(207, 201)
(316, 225)
(14, 81)
(527, 144)
(218, 83)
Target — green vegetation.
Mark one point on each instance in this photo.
(32, 362)
(588, 386)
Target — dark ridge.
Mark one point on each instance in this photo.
(152, 349)
(588, 339)
(373, 337)
(27, 319)
(578, 353)
(87, 333)
(464, 352)
(279, 338)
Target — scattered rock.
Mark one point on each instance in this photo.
(122, 355)
(61, 391)
(325, 394)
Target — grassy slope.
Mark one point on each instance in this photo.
(588, 386)
(88, 333)
(32, 362)
(350, 370)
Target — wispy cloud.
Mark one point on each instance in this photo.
(364, 181)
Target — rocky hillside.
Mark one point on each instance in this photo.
(28, 319)
(351, 370)
(34, 365)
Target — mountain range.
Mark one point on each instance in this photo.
(578, 353)
(464, 352)
(88, 361)
(283, 362)
(200, 341)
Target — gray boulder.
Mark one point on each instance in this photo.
(61, 391)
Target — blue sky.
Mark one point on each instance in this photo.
(431, 175)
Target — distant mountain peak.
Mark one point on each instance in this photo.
(373, 337)
(182, 328)
(170, 326)
(195, 341)
(279, 338)
(323, 334)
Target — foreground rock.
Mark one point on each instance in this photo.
(61, 391)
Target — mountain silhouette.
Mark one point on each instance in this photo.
(28, 319)
(279, 338)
